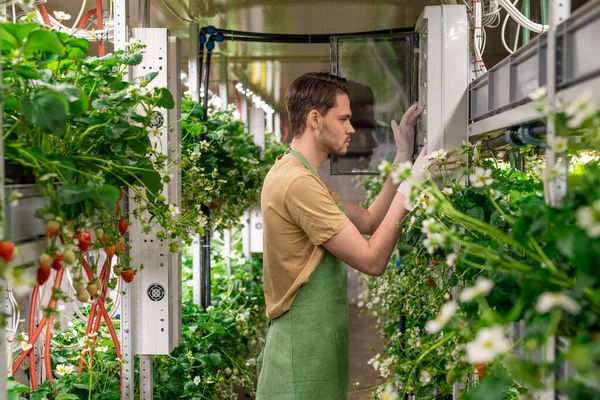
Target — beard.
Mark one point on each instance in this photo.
(329, 143)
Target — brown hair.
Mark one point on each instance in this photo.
(312, 91)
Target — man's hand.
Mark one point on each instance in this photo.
(404, 133)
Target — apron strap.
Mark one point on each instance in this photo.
(302, 159)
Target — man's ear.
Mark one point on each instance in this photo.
(314, 119)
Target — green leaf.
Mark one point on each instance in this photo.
(133, 59)
(67, 396)
(71, 92)
(45, 74)
(149, 77)
(165, 98)
(476, 212)
(72, 194)
(115, 132)
(493, 388)
(20, 31)
(43, 40)
(27, 72)
(48, 110)
(15, 386)
(108, 196)
(102, 104)
(152, 182)
(9, 41)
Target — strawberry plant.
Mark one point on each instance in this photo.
(495, 257)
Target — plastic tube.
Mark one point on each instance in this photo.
(101, 43)
(79, 15)
(544, 11)
(526, 13)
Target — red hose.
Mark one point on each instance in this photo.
(44, 13)
(32, 338)
(86, 18)
(51, 304)
(47, 362)
(100, 27)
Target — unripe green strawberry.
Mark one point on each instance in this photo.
(79, 285)
(83, 296)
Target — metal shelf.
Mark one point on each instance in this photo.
(499, 99)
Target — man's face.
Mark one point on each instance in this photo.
(336, 129)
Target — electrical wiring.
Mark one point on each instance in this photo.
(521, 19)
(502, 33)
(83, 4)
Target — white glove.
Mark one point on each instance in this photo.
(404, 133)
(436, 169)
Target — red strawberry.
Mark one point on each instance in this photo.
(127, 275)
(43, 273)
(481, 367)
(57, 261)
(6, 250)
(51, 228)
(123, 227)
(110, 251)
(85, 238)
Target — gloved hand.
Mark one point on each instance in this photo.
(404, 133)
(438, 167)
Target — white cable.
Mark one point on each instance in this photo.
(506, 46)
(517, 39)
(521, 19)
(80, 14)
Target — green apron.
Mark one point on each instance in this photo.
(305, 356)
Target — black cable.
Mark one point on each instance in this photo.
(304, 35)
(205, 239)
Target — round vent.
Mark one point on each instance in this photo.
(156, 292)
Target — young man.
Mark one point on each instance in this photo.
(310, 234)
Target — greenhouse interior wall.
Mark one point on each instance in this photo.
(135, 236)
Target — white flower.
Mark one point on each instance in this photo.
(433, 326)
(102, 349)
(197, 380)
(204, 145)
(451, 259)
(62, 369)
(174, 210)
(61, 16)
(390, 393)
(425, 377)
(429, 226)
(481, 177)
(446, 312)
(483, 286)
(433, 242)
(488, 343)
(559, 144)
(538, 94)
(439, 155)
(26, 346)
(384, 167)
(401, 172)
(588, 219)
(14, 198)
(549, 300)
(447, 191)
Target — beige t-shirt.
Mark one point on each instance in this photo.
(299, 215)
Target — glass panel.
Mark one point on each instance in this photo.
(379, 71)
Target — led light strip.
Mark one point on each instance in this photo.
(256, 99)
